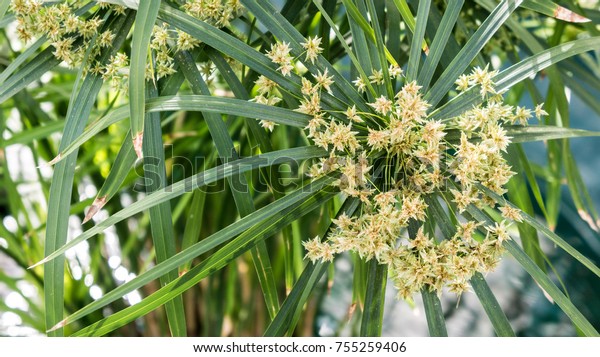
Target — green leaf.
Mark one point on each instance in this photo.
(439, 43)
(523, 134)
(254, 221)
(372, 319)
(161, 223)
(23, 56)
(545, 283)
(201, 103)
(118, 173)
(547, 232)
(581, 197)
(145, 18)
(187, 185)
(32, 71)
(80, 106)
(526, 167)
(434, 314)
(258, 133)
(229, 106)
(296, 299)
(193, 225)
(287, 316)
(415, 46)
(491, 306)
(407, 16)
(519, 194)
(38, 133)
(4, 4)
(381, 49)
(359, 42)
(458, 65)
(550, 8)
(241, 194)
(271, 221)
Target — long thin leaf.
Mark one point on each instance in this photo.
(161, 223)
(4, 4)
(518, 193)
(120, 169)
(201, 103)
(241, 193)
(458, 65)
(491, 306)
(60, 191)
(256, 220)
(545, 283)
(434, 314)
(201, 179)
(517, 73)
(272, 224)
(258, 133)
(414, 57)
(144, 24)
(193, 225)
(542, 279)
(548, 233)
(439, 43)
(37, 133)
(295, 300)
(552, 9)
(286, 318)
(372, 319)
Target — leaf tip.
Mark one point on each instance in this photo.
(96, 206)
(53, 161)
(41, 262)
(565, 14)
(546, 294)
(588, 219)
(138, 140)
(351, 310)
(58, 325)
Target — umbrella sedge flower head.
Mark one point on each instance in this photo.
(395, 160)
(539, 111)
(280, 55)
(73, 35)
(312, 48)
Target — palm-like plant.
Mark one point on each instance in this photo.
(426, 141)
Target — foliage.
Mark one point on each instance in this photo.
(187, 154)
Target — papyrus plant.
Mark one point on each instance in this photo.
(400, 121)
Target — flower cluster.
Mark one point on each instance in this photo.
(69, 34)
(72, 35)
(395, 159)
(218, 13)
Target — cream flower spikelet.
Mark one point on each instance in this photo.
(396, 161)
